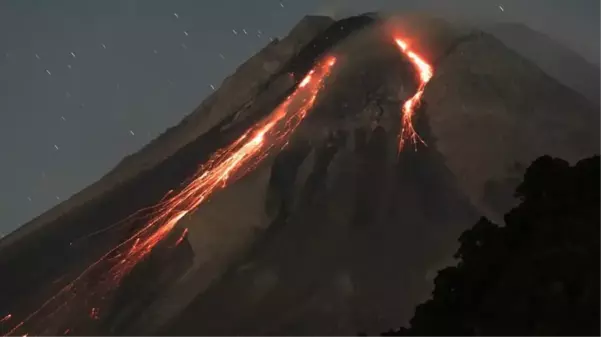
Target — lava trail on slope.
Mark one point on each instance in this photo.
(91, 288)
(425, 73)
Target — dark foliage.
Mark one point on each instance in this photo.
(537, 275)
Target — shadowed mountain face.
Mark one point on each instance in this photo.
(337, 233)
(493, 112)
(555, 59)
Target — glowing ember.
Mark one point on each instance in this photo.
(223, 167)
(182, 237)
(425, 72)
(6, 318)
(94, 313)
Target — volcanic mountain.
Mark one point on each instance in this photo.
(334, 230)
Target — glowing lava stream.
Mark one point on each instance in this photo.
(224, 166)
(425, 72)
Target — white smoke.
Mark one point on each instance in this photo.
(336, 9)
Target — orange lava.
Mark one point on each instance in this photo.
(182, 237)
(222, 168)
(425, 72)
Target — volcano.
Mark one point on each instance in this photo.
(330, 231)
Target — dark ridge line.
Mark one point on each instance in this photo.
(458, 42)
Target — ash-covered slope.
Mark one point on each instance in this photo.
(558, 61)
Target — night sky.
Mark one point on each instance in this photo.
(85, 83)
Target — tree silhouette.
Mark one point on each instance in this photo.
(537, 275)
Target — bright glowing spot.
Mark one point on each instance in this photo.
(425, 73)
(182, 237)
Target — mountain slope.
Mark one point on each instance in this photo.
(494, 112)
(555, 59)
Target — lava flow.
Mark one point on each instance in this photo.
(425, 72)
(224, 166)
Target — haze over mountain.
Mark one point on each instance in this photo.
(338, 232)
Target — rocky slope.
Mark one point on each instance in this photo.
(337, 233)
